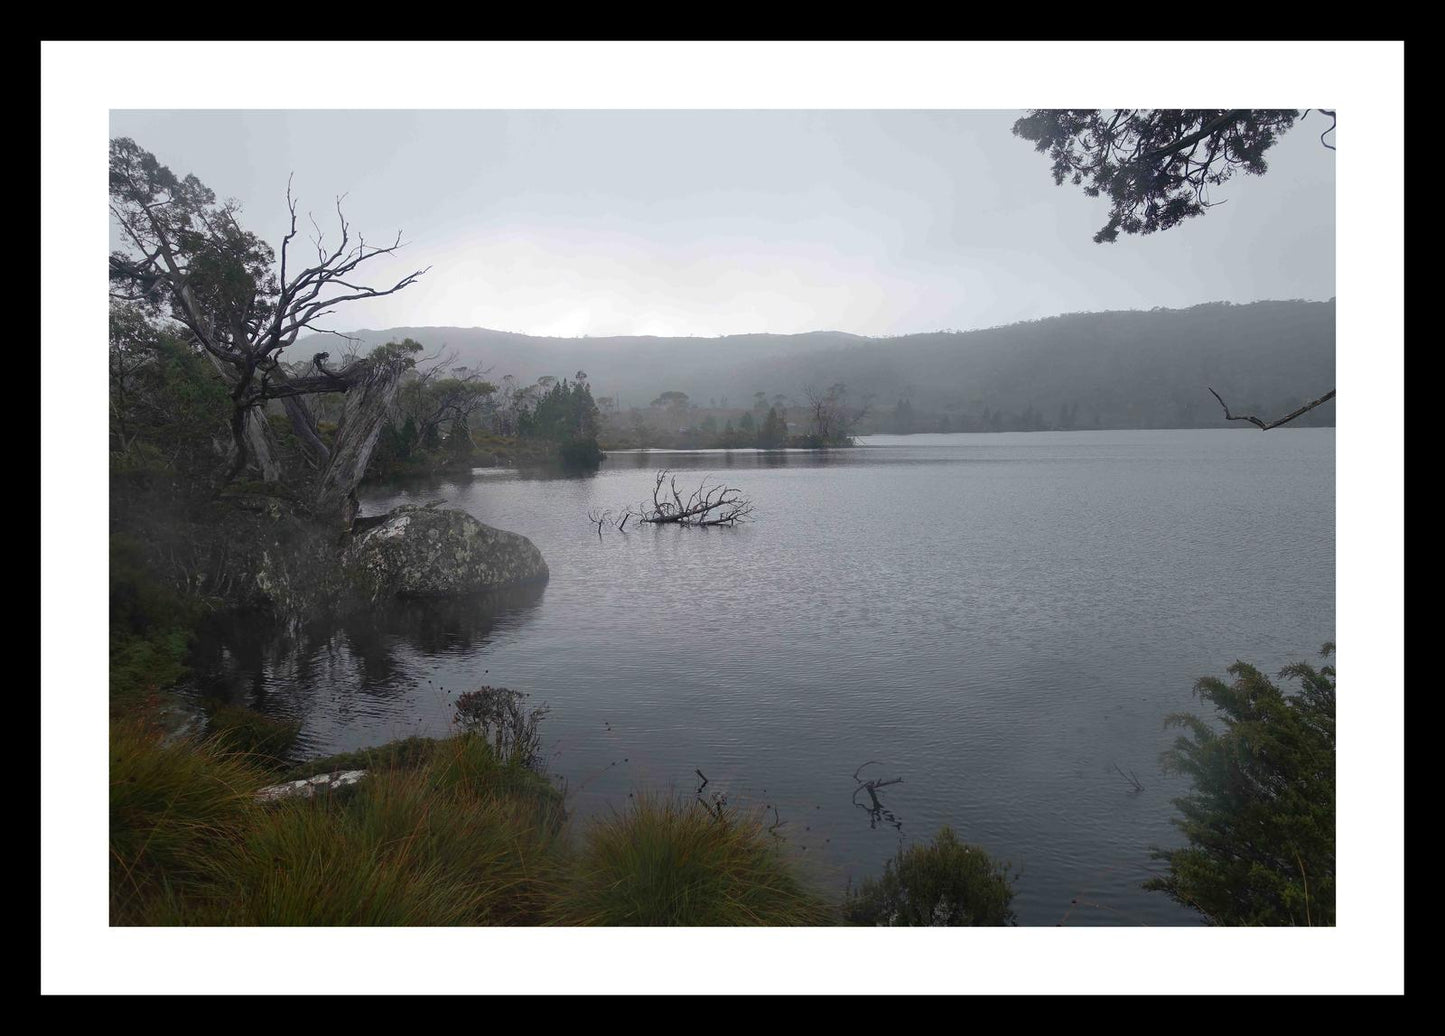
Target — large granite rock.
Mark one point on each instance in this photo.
(431, 552)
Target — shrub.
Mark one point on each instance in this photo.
(583, 454)
(150, 624)
(943, 883)
(498, 716)
(1260, 820)
(665, 863)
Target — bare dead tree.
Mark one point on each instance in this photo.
(188, 255)
(830, 417)
(1265, 426)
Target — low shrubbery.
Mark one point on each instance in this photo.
(1260, 818)
(943, 883)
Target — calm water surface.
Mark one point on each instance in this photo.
(999, 620)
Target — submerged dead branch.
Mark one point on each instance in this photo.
(877, 812)
(706, 506)
(599, 519)
(1135, 784)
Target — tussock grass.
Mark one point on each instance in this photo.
(171, 808)
(407, 753)
(265, 739)
(442, 833)
(670, 863)
(459, 838)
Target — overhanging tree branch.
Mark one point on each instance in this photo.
(1265, 426)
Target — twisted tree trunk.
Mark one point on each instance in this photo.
(362, 418)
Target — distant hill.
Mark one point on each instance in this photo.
(1121, 369)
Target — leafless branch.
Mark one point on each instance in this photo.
(1131, 777)
(599, 519)
(877, 812)
(1265, 426)
(708, 505)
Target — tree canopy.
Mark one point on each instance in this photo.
(1155, 165)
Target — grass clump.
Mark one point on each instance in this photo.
(266, 739)
(405, 754)
(172, 807)
(943, 883)
(461, 838)
(669, 863)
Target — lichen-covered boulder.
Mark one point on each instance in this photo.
(431, 552)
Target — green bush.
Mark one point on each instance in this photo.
(150, 629)
(943, 883)
(1260, 821)
(581, 454)
(666, 863)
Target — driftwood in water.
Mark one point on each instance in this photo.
(706, 505)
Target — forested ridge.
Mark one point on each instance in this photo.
(1117, 369)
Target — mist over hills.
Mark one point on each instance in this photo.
(1116, 369)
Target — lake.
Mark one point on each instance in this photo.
(1002, 621)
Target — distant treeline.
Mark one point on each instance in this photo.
(1126, 369)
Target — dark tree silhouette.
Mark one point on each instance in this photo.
(1155, 165)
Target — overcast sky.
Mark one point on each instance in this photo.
(722, 222)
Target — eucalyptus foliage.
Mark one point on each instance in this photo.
(1155, 165)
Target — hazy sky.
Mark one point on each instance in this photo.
(721, 222)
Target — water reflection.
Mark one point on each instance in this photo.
(253, 661)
